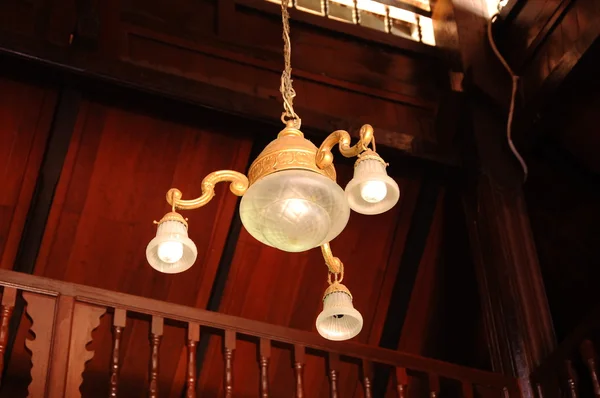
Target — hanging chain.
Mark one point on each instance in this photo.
(287, 90)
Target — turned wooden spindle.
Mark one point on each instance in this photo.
(299, 360)
(434, 385)
(571, 379)
(119, 321)
(265, 355)
(540, 390)
(334, 366)
(367, 370)
(229, 349)
(589, 356)
(192, 340)
(9, 296)
(467, 390)
(402, 382)
(155, 338)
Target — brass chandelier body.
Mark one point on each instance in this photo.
(370, 192)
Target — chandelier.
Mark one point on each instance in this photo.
(291, 201)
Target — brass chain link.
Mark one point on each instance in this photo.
(287, 90)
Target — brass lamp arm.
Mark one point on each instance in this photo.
(324, 156)
(334, 264)
(239, 185)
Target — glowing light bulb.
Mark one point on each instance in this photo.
(170, 252)
(373, 191)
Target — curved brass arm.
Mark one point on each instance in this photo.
(333, 263)
(239, 185)
(324, 156)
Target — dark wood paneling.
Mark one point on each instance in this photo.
(287, 288)
(342, 80)
(564, 218)
(26, 112)
(120, 164)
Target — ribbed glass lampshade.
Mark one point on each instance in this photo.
(294, 210)
(339, 320)
(371, 191)
(171, 251)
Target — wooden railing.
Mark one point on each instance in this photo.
(572, 369)
(64, 316)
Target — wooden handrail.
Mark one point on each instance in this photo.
(160, 309)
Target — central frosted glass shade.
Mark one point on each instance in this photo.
(294, 210)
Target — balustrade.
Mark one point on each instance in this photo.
(64, 315)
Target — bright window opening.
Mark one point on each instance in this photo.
(411, 23)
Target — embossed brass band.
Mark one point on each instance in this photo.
(324, 156)
(239, 185)
(336, 287)
(289, 151)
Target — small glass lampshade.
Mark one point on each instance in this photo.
(294, 210)
(339, 320)
(371, 191)
(171, 251)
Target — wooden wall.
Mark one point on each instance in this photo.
(126, 148)
(26, 112)
(125, 151)
(563, 195)
(227, 54)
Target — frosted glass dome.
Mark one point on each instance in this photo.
(294, 210)
(372, 191)
(339, 320)
(171, 251)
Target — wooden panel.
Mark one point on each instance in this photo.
(286, 289)
(355, 103)
(183, 18)
(564, 218)
(372, 66)
(418, 325)
(25, 114)
(119, 166)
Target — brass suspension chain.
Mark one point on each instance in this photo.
(287, 90)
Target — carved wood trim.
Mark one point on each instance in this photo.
(299, 360)
(86, 318)
(229, 349)
(367, 370)
(119, 322)
(402, 382)
(60, 347)
(9, 297)
(571, 379)
(40, 309)
(334, 366)
(192, 340)
(250, 327)
(588, 353)
(265, 355)
(156, 333)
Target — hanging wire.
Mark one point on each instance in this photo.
(513, 98)
(287, 90)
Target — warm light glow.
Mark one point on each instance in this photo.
(373, 191)
(170, 251)
(294, 210)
